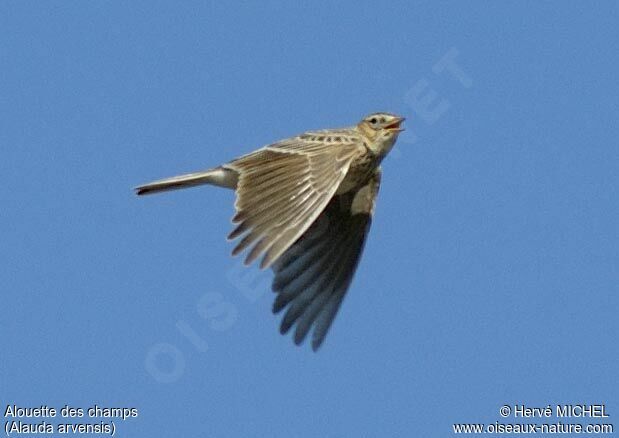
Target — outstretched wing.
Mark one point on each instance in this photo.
(313, 275)
(282, 189)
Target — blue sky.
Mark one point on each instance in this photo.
(490, 275)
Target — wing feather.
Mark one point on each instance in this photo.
(282, 189)
(313, 275)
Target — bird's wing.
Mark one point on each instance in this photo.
(282, 189)
(313, 275)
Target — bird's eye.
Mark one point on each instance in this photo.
(373, 120)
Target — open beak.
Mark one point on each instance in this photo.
(395, 125)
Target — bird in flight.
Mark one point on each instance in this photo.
(304, 206)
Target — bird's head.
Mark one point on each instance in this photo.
(382, 129)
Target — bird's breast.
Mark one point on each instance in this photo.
(359, 173)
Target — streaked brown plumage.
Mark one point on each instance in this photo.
(304, 206)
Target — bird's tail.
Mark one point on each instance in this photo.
(219, 176)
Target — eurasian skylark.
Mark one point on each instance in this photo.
(304, 205)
